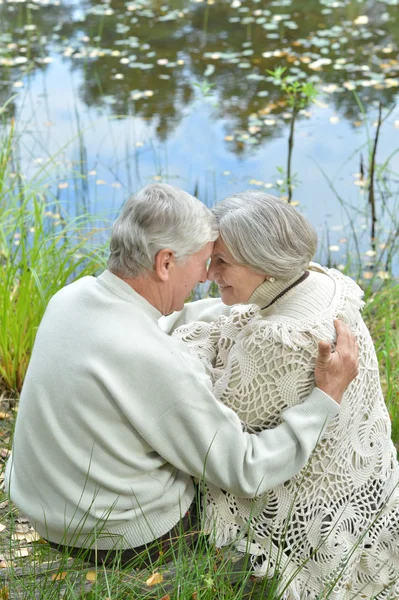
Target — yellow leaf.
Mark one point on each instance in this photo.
(4, 594)
(91, 576)
(154, 579)
(59, 576)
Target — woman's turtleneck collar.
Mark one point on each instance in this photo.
(268, 291)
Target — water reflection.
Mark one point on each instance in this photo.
(152, 58)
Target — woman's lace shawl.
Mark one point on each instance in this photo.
(335, 526)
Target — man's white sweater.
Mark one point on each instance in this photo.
(116, 417)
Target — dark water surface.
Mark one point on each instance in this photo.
(122, 93)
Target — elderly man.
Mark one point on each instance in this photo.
(116, 418)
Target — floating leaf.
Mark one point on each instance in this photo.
(368, 275)
(210, 69)
(361, 20)
(319, 63)
(383, 275)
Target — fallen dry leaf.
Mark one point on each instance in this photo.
(154, 579)
(4, 415)
(167, 597)
(22, 520)
(4, 593)
(28, 536)
(6, 564)
(5, 452)
(2, 527)
(91, 575)
(3, 504)
(22, 528)
(32, 536)
(59, 576)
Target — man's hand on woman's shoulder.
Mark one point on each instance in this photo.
(336, 368)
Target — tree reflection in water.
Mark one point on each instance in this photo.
(143, 57)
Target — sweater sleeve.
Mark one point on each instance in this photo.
(204, 438)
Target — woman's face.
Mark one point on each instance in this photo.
(236, 283)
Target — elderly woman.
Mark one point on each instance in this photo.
(334, 527)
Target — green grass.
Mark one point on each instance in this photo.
(382, 317)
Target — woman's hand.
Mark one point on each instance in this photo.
(335, 369)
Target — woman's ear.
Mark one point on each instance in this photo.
(164, 261)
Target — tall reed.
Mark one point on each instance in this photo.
(41, 250)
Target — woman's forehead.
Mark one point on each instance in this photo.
(220, 247)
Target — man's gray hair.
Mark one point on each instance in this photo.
(266, 234)
(158, 216)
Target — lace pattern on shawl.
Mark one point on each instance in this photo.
(340, 515)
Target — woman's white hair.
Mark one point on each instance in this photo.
(156, 217)
(266, 234)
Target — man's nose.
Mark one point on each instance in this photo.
(211, 272)
(204, 276)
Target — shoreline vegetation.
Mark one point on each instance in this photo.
(42, 248)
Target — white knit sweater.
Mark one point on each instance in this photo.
(336, 524)
(115, 417)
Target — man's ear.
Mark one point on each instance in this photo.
(164, 260)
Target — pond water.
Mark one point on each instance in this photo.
(123, 93)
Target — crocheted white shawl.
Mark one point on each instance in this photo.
(335, 526)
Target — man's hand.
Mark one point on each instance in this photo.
(335, 369)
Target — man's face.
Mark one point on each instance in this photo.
(185, 276)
